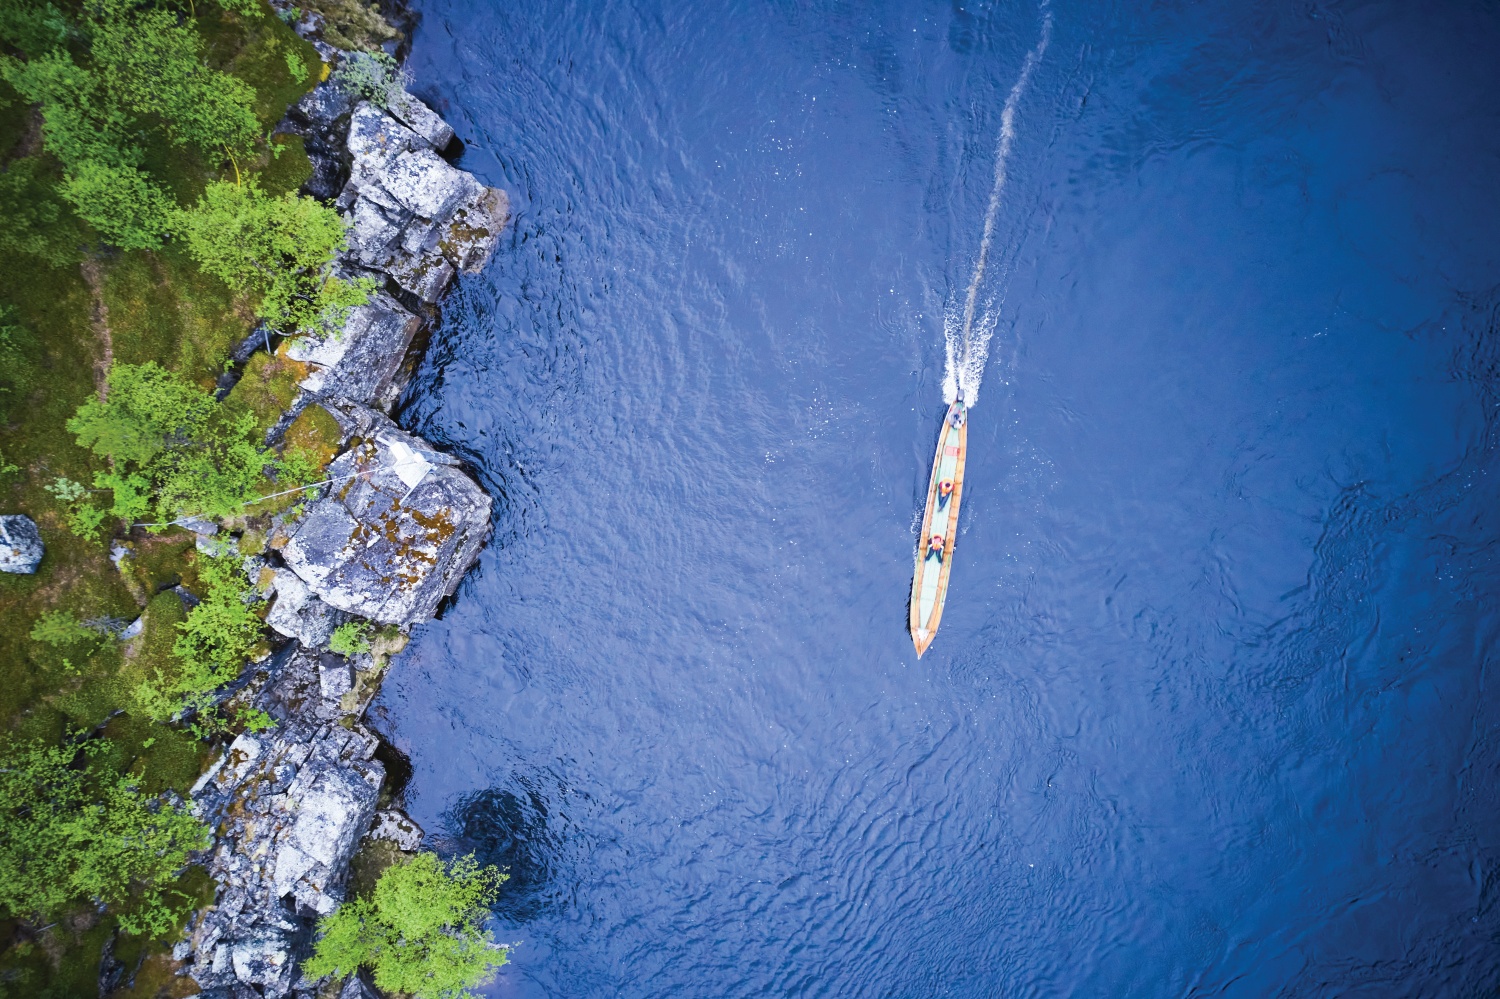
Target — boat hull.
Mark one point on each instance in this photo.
(929, 588)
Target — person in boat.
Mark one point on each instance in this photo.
(935, 547)
(957, 416)
(945, 490)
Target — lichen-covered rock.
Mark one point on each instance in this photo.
(361, 363)
(413, 216)
(395, 530)
(395, 826)
(298, 613)
(21, 548)
(421, 119)
(289, 806)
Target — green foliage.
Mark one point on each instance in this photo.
(374, 76)
(350, 638)
(71, 833)
(32, 27)
(256, 720)
(244, 8)
(280, 248)
(143, 75)
(61, 628)
(216, 639)
(120, 201)
(33, 218)
(15, 367)
(83, 517)
(173, 449)
(420, 931)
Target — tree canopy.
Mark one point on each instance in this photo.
(70, 833)
(122, 72)
(281, 249)
(420, 931)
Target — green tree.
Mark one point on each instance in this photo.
(139, 72)
(281, 249)
(420, 931)
(173, 449)
(71, 833)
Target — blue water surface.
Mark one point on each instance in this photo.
(1211, 709)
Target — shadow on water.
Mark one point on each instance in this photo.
(512, 827)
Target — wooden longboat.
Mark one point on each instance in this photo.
(929, 585)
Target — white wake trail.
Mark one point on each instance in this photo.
(966, 346)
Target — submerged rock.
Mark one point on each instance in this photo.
(290, 805)
(394, 532)
(21, 547)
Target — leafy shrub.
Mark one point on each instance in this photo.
(375, 76)
(350, 638)
(281, 249)
(83, 517)
(420, 931)
(72, 833)
(173, 449)
(217, 637)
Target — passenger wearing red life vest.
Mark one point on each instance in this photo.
(945, 492)
(935, 547)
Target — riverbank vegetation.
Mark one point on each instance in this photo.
(420, 931)
(149, 221)
(128, 131)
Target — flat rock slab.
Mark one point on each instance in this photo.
(395, 530)
(21, 548)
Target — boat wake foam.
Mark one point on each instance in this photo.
(967, 333)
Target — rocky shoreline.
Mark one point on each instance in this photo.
(390, 534)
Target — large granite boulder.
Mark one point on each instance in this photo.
(413, 216)
(21, 548)
(289, 807)
(363, 361)
(396, 529)
(298, 613)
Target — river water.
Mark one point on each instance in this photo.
(1211, 711)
